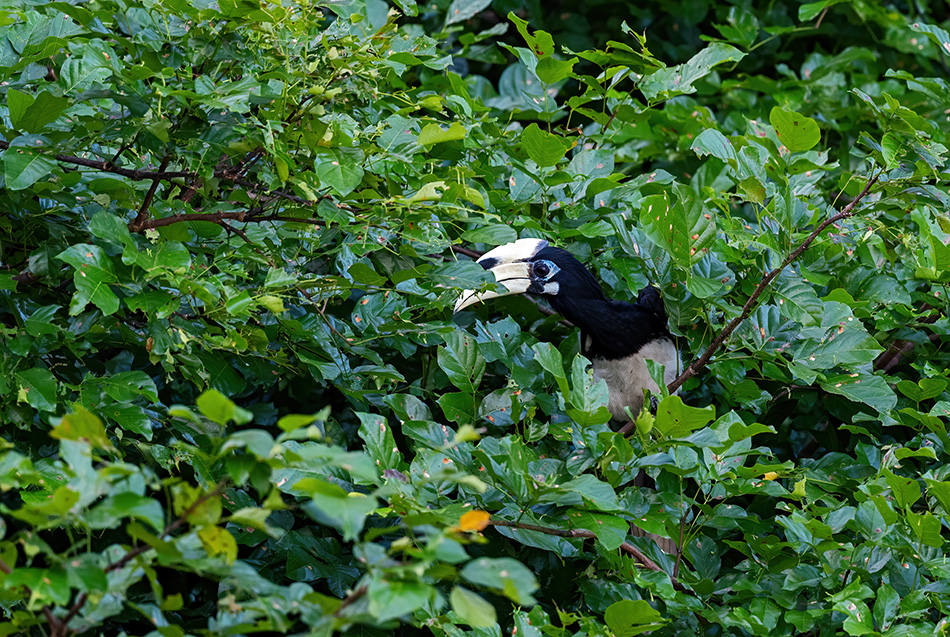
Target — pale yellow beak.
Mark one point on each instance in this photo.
(511, 266)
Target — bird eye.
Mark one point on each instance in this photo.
(544, 269)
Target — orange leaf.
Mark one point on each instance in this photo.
(474, 521)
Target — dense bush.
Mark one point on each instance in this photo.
(235, 398)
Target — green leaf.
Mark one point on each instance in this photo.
(32, 114)
(685, 228)
(712, 142)
(870, 521)
(632, 617)
(541, 43)
(906, 491)
(339, 168)
(493, 234)
(434, 134)
(795, 131)
(675, 419)
(459, 407)
(611, 530)
(389, 599)
(858, 619)
(94, 273)
(552, 71)
(864, 388)
(330, 504)
(46, 585)
(551, 360)
(678, 80)
(592, 491)
(218, 541)
(38, 388)
(544, 148)
(216, 406)
(126, 386)
(808, 11)
(926, 527)
(23, 167)
(461, 10)
(938, 36)
(365, 275)
(885, 608)
(460, 274)
(109, 513)
(472, 608)
(84, 426)
(461, 361)
(505, 576)
(379, 440)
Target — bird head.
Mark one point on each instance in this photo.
(532, 266)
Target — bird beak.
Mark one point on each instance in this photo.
(511, 266)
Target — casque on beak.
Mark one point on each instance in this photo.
(511, 265)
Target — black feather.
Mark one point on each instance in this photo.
(609, 329)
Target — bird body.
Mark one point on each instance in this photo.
(618, 337)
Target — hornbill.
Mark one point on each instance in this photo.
(618, 337)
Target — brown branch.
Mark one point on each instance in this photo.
(349, 599)
(143, 215)
(211, 217)
(56, 626)
(475, 254)
(250, 185)
(891, 357)
(138, 550)
(105, 166)
(626, 547)
(693, 368)
(314, 222)
(151, 175)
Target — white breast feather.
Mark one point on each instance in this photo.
(626, 377)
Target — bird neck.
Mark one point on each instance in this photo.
(612, 329)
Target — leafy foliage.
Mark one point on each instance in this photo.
(234, 396)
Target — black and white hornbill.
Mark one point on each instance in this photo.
(618, 337)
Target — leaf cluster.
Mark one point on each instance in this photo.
(235, 398)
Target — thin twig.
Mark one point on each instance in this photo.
(891, 357)
(475, 254)
(134, 553)
(626, 547)
(349, 599)
(108, 167)
(143, 215)
(693, 368)
(151, 175)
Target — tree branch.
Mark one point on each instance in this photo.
(143, 214)
(108, 167)
(891, 357)
(693, 368)
(349, 599)
(626, 547)
(138, 550)
(161, 175)
(211, 217)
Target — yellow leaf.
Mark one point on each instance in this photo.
(770, 475)
(474, 521)
(218, 541)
